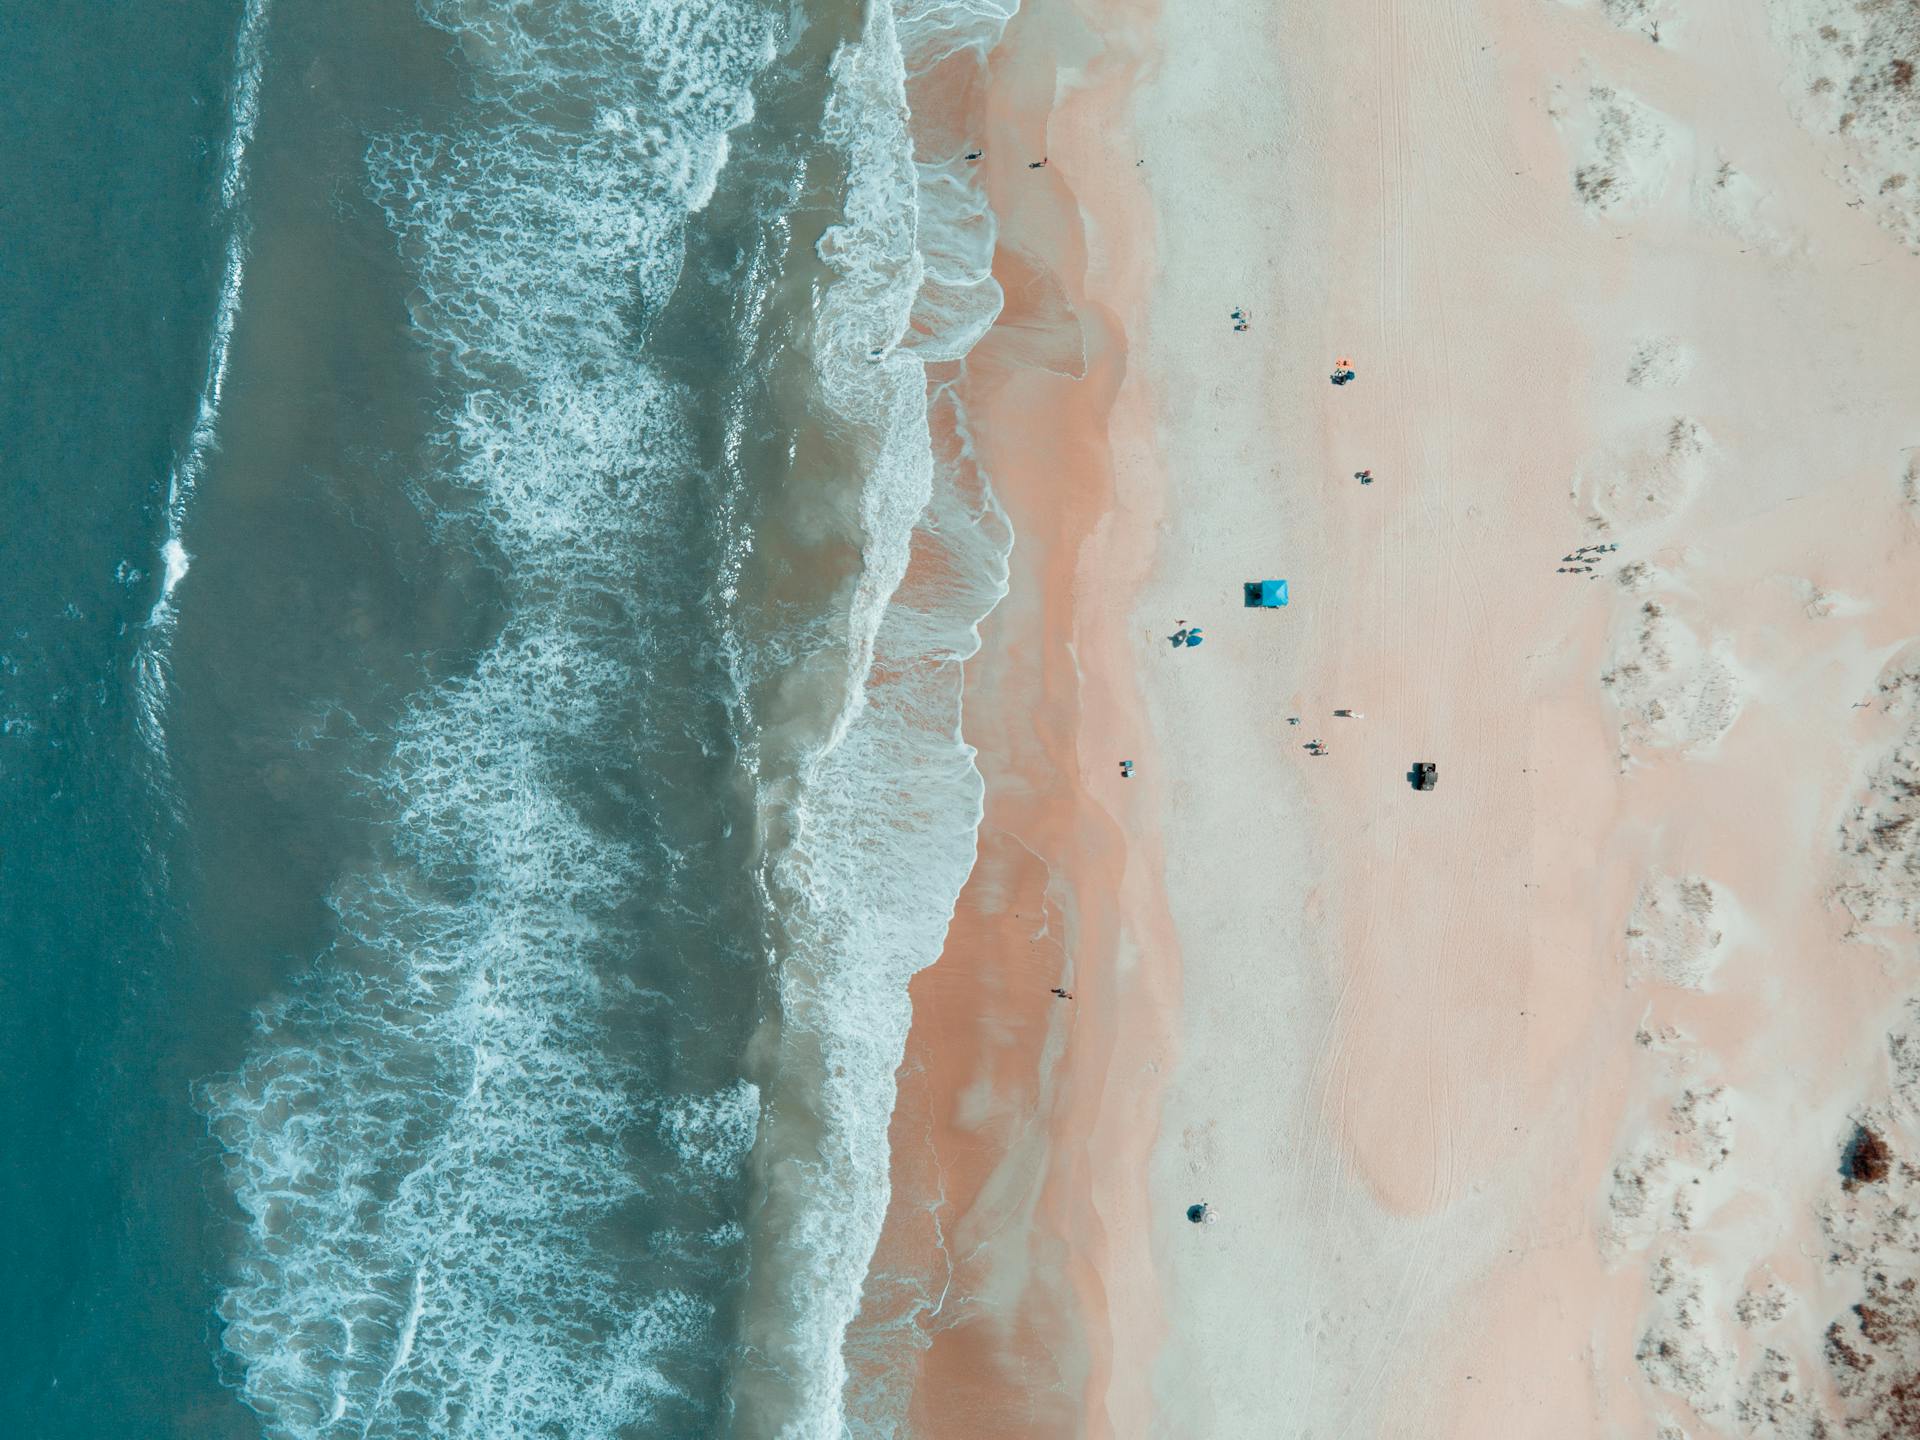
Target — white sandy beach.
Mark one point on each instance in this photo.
(1512, 1099)
(1577, 1096)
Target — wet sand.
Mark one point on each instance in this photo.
(1009, 1091)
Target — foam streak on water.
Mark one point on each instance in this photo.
(151, 663)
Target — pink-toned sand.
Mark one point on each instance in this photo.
(1006, 1088)
(1521, 1103)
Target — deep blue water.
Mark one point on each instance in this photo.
(114, 117)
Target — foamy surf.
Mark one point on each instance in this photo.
(489, 1162)
(884, 817)
(445, 1132)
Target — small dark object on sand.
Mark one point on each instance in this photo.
(975, 154)
(1425, 775)
(1198, 1212)
(1341, 377)
(1039, 164)
(1869, 1159)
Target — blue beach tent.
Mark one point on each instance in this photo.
(1266, 594)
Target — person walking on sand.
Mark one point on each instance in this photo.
(1062, 994)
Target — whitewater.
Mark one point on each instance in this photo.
(498, 1170)
(190, 466)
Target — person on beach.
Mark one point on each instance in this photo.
(1062, 994)
(1039, 164)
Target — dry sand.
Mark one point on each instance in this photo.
(1580, 1095)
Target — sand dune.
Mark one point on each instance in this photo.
(1856, 82)
(1650, 475)
(1880, 838)
(1672, 935)
(1659, 362)
(1673, 692)
(1624, 149)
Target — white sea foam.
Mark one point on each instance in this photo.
(434, 1133)
(431, 1128)
(883, 825)
(151, 663)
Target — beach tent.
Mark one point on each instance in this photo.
(1267, 594)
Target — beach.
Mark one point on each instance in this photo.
(1531, 1104)
(1079, 718)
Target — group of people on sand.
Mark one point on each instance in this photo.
(1580, 562)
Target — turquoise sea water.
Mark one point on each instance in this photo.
(476, 784)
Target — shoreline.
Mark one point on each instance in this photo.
(1005, 1088)
(1518, 1101)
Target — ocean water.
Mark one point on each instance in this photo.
(494, 545)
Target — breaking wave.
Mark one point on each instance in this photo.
(447, 1137)
(489, 1187)
(884, 818)
(152, 660)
